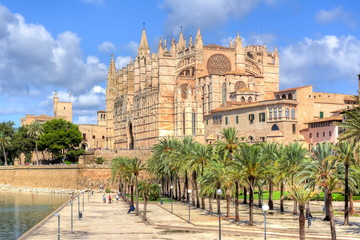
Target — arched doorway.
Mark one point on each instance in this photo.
(131, 136)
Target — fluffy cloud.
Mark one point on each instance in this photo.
(106, 47)
(121, 61)
(261, 39)
(333, 59)
(30, 57)
(205, 13)
(335, 14)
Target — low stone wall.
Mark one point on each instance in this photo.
(57, 176)
(142, 154)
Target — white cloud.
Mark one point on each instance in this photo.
(334, 15)
(121, 61)
(261, 39)
(99, 89)
(86, 120)
(132, 48)
(106, 47)
(192, 14)
(333, 59)
(31, 58)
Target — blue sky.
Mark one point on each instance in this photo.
(65, 45)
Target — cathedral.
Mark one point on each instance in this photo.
(168, 93)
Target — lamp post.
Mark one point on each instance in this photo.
(58, 216)
(83, 193)
(79, 206)
(265, 208)
(160, 195)
(72, 224)
(189, 192)
(171, 193)
(219, 193)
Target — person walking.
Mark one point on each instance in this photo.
(104, 198)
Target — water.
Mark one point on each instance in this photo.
(21, 211)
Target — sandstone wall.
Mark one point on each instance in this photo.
(57, 176)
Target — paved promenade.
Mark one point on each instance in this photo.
(111, 221)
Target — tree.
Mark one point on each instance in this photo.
(301, 194)
(135, 166)
(252, 164)
(292, 161)
(59, 137)
(35, 130)
(345, 154)
(323, 171)
(21, 143)
(4, 143)
(147, 189)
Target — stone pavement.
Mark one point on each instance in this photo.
(111, 221)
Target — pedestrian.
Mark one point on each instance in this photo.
(131, 209)
(104, 198)
(117, 197)
(109, 198)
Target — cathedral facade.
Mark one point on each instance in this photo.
(168, 93)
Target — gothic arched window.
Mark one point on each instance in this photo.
(250, 99)
(224, 93)
(275, 113)
(290, 96)
(280, 113)
(270, 113)
(193, 122)
(242, 99)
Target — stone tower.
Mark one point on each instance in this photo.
(62, 109)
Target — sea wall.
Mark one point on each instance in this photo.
(57, 176)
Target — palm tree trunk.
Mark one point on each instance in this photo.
(326, 203)
(210, 205)
(137, 195)
(282, 197)
(245, 196)
(193, 194)
(179, 190)
(346, 215)
(301, 222)
(295, 207)
(132, 194)
(251, 202)
(186, 187)
(260, 196)
(196, 189)
(37, 156)
(271, 202)
(145, 205)
(332, 222)
(5, 156)
(228, 200)
(237, 218)
(351, 209)
(202, 202)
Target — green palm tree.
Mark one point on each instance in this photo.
(272, 152)
(135, 166)
(345, 154)
(323, 171)
(203, 155)
(352, 123)
(291, 162)
(146, 189)
(252, 164)
(4, 143)
(301, 194)
(35, 130)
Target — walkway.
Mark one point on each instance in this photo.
(110, 221)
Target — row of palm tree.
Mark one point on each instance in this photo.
(231, 165)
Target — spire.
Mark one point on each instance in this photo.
(181, 43)
(190, 41)
(112, 68)
(144, 45)
(173, 47)
(238, 43)
(198, 40)
(160, 48)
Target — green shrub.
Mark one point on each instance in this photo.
(99, 160)
(108, 190)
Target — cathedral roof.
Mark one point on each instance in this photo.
(328, 119)
(292, 89)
